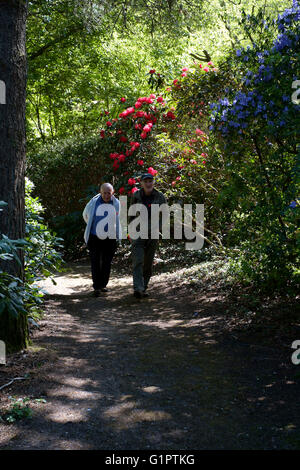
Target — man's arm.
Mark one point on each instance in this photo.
(85, 213)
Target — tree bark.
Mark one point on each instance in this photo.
(13, 74)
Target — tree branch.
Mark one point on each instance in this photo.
(54, 42)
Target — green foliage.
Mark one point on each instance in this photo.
(239, 159)
(11, 288)
(251, 128)
(42, 257)
(62, 171)
(18, 410)
(41, 260)
(84, 56)
(71, 228)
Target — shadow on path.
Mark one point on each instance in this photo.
(119, 373)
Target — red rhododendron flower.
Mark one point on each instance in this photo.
(123, 100)
(109, 124)
(140, 114)
(123, 138)
(102, 134)
(140, 162)
(127, 111)
(152, 71)
(132, 144)
(199, 132)
(185, 69)
(184, 74)
(159, 99)
(173, 183)
(171, 115)
(133, 190)
(147, 127)
(151, 171)
(144, 135)
(122, 190)
(152, 96)
(121, 158)
(206, 69)
(178, 178)
(106, 112)
(131, 181)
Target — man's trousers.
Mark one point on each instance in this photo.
(143, 252)
(101, 255)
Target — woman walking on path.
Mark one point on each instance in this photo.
(102, 216)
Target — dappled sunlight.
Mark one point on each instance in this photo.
(160, 323)
(76, 382)
(75, 394)
(163, 324)
(136, 361)
(152, 389)
(66, 414)
(126, 415)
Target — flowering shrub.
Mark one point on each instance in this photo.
(126, 138)
(257, 127)
(227, 137)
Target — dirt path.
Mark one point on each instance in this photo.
(119, 373)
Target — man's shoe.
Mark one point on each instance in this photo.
(104, 289)
(96, 292)
(137, 294)
(145, 294)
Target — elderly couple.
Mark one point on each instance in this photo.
(102, 249)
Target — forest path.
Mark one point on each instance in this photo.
(121, 373)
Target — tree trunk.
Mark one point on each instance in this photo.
(12, 151)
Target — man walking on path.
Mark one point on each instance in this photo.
(143, 250)
(101, 214)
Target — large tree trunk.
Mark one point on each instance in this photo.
(12, 150)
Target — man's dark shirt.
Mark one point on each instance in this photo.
(147, 201)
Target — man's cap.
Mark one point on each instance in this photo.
(146, 175)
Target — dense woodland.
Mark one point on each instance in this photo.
(203, 94)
